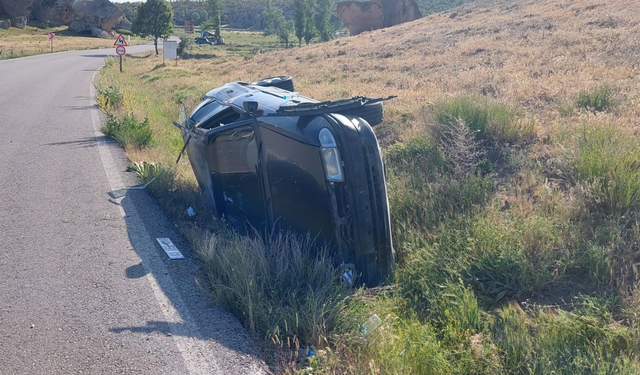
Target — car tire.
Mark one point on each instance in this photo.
(281, 82)
(371, 113)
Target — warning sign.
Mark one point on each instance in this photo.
(188, 27)
(120, 41)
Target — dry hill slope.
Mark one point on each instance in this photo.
(538, 54)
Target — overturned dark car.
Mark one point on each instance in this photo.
(267, 157)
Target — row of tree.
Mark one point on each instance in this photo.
(312, 18)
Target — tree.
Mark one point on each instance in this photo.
(215, 8)
(298, 20)
(304, 20)
(276, 24)
(323, 14)
(153, 18)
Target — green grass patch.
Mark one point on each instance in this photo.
(495, 122)
(597, 100)
(606, 165)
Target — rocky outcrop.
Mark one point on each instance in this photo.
(19, 22)
(83, 16)
(89, 14)
(5, 24)
(360, 17)
(56, 12)
(376, 14)
(18, 8)
(123, 23)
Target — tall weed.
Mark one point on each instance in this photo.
(280, 287)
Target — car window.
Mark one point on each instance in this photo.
(234, 163)
(204, 110)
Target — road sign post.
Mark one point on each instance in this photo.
(120, 50)
(51, 37)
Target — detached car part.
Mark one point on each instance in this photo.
(266, 156)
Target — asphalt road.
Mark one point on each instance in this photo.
(84, 286)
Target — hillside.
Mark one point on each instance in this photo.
(512, 156)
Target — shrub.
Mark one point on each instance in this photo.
(186, 42)
(459, 148)
(128, 131)
(124, 32)
(109, 97)
(597, 100)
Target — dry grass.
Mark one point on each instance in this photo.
(35, 41)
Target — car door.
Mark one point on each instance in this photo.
(195, 144)
(234, 160)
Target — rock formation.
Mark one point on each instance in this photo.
(376, 14)
(82, 16)
(17, 8)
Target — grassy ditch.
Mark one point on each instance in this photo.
(515, 201)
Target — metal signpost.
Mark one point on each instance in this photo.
(120, 50)
(51, 37)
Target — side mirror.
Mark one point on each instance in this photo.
(182, 118)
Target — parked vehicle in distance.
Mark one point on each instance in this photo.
(268, 157)
(200, 40)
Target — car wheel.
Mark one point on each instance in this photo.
(371, 113)
(281, 82)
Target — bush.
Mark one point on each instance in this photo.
(124, 32)
(109, 97)
(598, 100)
(128, 131)
(186, 42)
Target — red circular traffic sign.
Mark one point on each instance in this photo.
(120, 50)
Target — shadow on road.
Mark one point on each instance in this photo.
(199, 317)
(81, 143)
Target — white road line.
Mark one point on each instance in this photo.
(197, 355)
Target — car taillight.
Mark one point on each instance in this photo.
(330, 156)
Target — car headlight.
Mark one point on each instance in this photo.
(330, 156)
